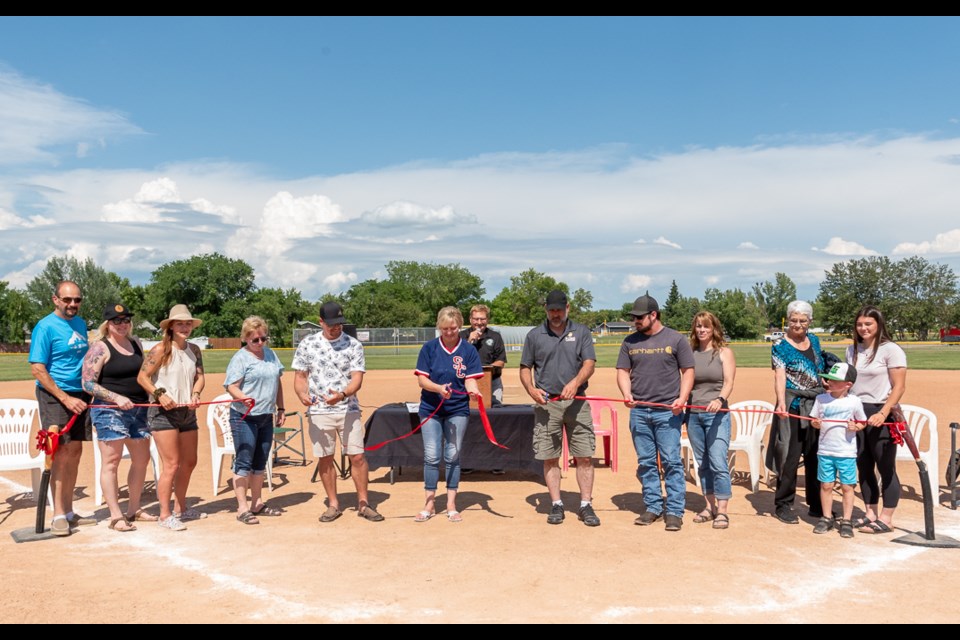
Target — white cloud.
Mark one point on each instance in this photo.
(10, 220)
(640, 241)
(339, 281)
(946, 242)
(38, 123)
(839, 247)
(747, 245)
(409, 214)
(711, 280)
(666, 243)
(634, 282)
(158, 201)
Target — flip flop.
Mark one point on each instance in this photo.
(862, 522)
(248, 517)
(454, 516)
(876, 527)
(423, 516)
(267, 511)
(116, 525)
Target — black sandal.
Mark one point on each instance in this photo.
(248, 517)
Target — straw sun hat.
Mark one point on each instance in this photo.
(180, 312)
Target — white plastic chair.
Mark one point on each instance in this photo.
(16, 427)
(218, 423)
(749, 420)
(97, 463)
(919, 419)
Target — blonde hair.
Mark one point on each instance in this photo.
(449, 313)
(251, 324)
(103, 332)
(480, 308)
(707, 318)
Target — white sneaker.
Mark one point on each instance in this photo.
(173, 523)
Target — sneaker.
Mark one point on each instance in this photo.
(556, 514)
(786, 515)
(173, 523)
(647, 518)
(190, 514)
(824, 525)
(672, 522)
(588, 517)
(60, 527)
(81, 521)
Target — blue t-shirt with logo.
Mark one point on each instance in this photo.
(60, 345)
(447, 367)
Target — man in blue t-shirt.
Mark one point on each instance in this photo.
(57, 348)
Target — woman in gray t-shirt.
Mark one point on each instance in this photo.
(708, 422)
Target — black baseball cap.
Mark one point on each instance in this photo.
(644, 305)
(556, 299)
(332, 313)
(112, 311)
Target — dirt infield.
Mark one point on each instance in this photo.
(503, 563)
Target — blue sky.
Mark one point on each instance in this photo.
(616, 154)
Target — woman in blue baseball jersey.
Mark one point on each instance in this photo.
(447, 369)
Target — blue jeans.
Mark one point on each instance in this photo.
(448, 434)
(658, 431)
(252, 439)
(710, 433)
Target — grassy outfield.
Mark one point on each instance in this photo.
(14, 366)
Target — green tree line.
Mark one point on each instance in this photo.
(916, 296)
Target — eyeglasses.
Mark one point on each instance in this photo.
(70, 300)
(120, 321)
(804, 321)
(639, 318)
(258, 340)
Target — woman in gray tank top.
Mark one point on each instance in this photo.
(708, 427)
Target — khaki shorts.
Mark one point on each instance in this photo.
(550, 421)
(324, 428)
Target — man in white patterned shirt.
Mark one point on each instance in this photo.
(329, 369)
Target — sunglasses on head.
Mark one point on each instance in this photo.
(122, 320)
(70, 300)
(258, 340)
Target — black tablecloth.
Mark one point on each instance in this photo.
(512, 427)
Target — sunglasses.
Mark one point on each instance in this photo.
(70, 300)
(120, 321)
(259, 340)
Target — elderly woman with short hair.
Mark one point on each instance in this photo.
(797, 361)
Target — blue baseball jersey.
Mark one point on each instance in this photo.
(447, 367)
(60, 345)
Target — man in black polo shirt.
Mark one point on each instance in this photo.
(489, 344)
(558, 359)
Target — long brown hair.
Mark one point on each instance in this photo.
(716, 340)
(167, 343)
(882, 337)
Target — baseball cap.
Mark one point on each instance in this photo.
(842, 372)
(112, 311)
(332, 313)
(644, 305)
(556, 299)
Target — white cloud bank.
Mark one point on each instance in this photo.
(412, 215)
(36, 120)
(634, 283)
(947, 242)
(157, 200)
(839, 247)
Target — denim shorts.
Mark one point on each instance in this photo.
(115, 424)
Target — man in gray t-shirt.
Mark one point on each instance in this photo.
(655, 376)
(558, 358)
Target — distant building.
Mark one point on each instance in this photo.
(608, 328)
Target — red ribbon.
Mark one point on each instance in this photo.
(49, 442)
(484, 420)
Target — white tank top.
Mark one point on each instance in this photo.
(178, 375)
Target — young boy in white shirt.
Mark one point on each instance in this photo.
(838, 416)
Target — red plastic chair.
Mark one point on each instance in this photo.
(608, 434)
